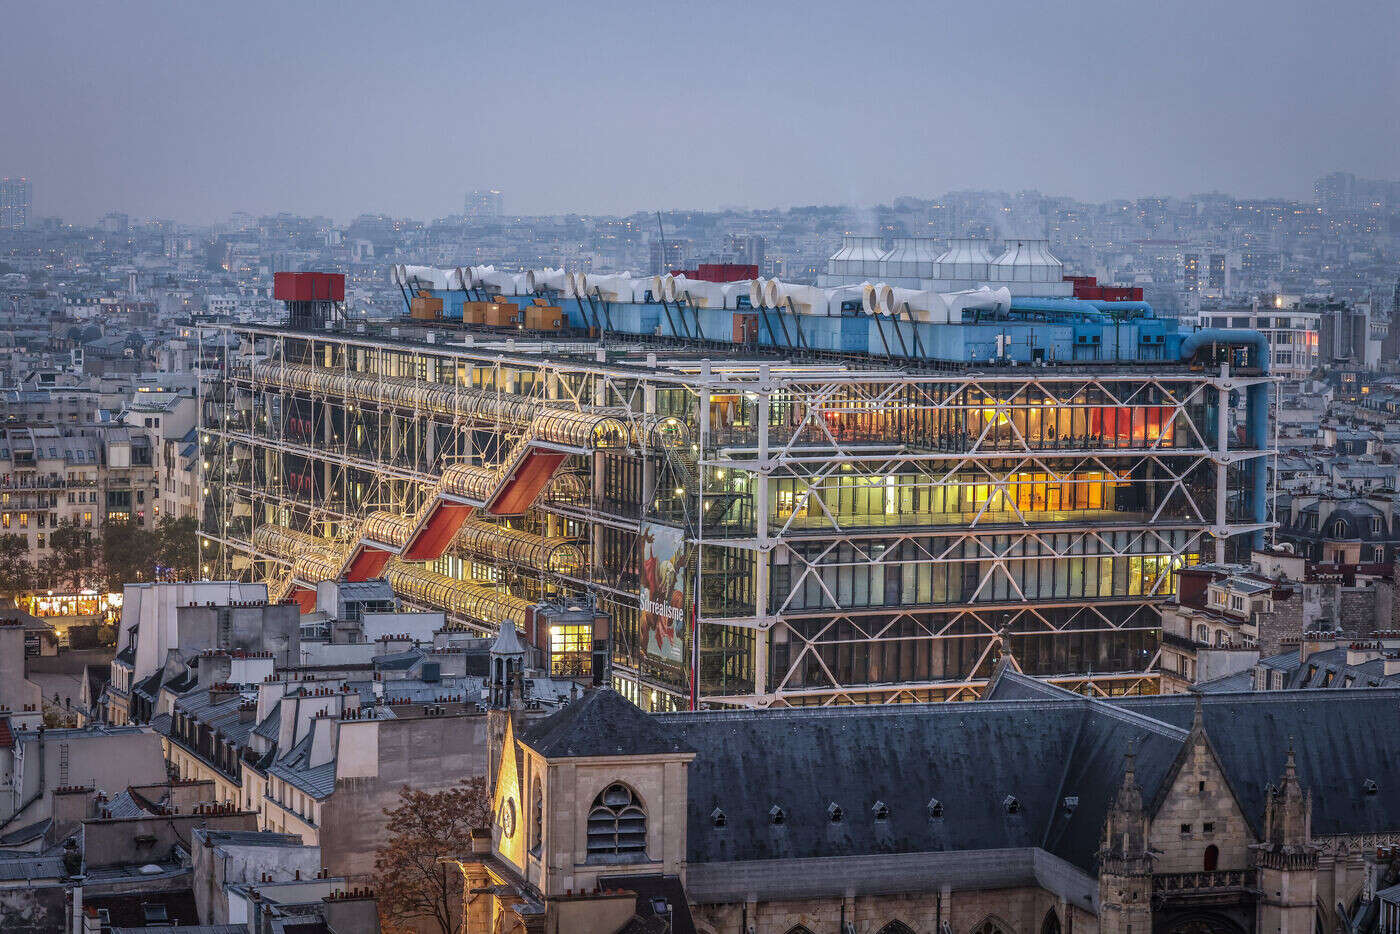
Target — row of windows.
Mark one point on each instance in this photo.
(906, 496)
(934, 583)
(906, 650)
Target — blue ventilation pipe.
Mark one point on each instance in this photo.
(1131, 310)
(1061, 306)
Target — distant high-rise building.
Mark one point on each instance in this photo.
(663, 260)
(1343, 191)
(1217, 276)
(1336, 191)
(1191, 271)
(15, 195)
(747, 249)
(484, 202)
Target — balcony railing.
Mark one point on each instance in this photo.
(1217, 881)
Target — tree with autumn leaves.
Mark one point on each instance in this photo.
(416, 890)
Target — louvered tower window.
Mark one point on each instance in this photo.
(617, 825)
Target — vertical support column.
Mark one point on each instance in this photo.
(702, 444)
(1222, 444)
(1257, 433)
(648, 465)
(764, 553)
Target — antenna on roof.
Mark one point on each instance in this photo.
(662, 228)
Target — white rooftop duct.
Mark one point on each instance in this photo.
(1027, 261)
(657, 286)
(506, 283)
(803, 299)
(666, 285)
(912, 258)
(541, 279)
(396, 274)
(641, 287)
(810, 300)
(923, 304)
(858, 256)
(983, 299)
(618, 287)
(840, 295)
(758, 292)
(459, 278)
(703, 294)
(965, 258)
(424, 277)
(870, 297)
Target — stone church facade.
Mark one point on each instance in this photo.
(1033, 810)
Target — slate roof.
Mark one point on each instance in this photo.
(27, 833)
(652, 892)
(32, 867)
(270, 726)
(1031, 765)
(123, 804)
(223, 716)
(1239, 681)
(149, 687)
(248, 837)
(127, 910)
(1329, 669)
(973, 760)
(1341, 739)
(398, 661)
(318, 782)
(601, 723)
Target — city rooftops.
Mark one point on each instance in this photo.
(246, 838)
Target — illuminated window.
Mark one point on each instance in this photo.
(569, 649)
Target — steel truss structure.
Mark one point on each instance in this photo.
(858, 533)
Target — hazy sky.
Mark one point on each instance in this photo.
(191, 109)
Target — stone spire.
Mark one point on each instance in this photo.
(1286, 857)
(1125, 862)
(1125, 830)
(1288, 811)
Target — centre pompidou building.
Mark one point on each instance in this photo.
(770, 503)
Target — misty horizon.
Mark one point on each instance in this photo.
(344, 220)
(192, 113)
